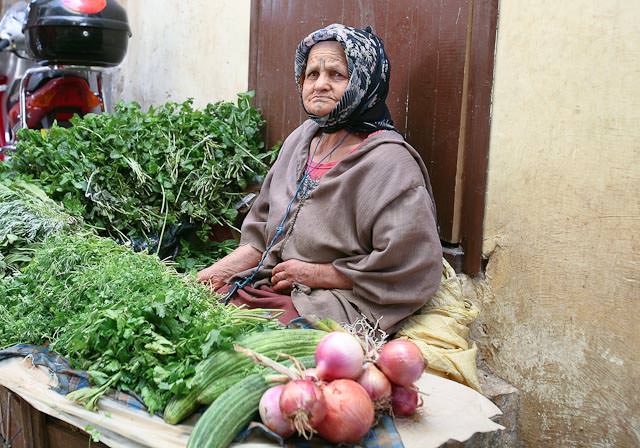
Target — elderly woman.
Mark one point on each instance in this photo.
(344, 225)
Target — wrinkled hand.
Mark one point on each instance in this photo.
(214, 276)
(313, 275)
(285, 274)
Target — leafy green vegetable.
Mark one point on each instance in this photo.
(126, 317)
(135, 174)
(94, 433)
(27, 215)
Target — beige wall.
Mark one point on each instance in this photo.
(563, 219)
(181, 49)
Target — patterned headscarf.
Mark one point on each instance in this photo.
(362, 107)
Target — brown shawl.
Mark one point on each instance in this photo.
(372, 216)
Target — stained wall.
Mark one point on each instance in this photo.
(562, 229)
(182, 49)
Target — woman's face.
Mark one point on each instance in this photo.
(325, 78)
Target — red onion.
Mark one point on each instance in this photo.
(402, 361)
(377, 386)
(404, 400)
(270, 412)
(303, 403)
(350, 412)
(311, 374)
(339, 355)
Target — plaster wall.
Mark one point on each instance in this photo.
(180, 49)
(562, 226)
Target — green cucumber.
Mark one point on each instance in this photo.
(298, 343)
(231, 412)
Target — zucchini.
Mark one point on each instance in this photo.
(231, 412)
(234, 409)
(180, 408)
(269, 343)
(296, 343)
(213, 391)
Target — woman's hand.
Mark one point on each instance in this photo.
(216, 275)
(313, 275)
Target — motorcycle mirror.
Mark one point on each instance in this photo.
(12, 23)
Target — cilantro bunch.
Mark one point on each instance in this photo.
(135, 174)
(125, 317)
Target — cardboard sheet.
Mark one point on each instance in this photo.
(451, 412)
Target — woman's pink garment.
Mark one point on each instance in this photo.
(317, 170)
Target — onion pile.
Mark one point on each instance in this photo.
(340, 397)
(402, 362)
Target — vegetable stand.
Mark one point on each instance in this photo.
(451, 412)
(129, 322)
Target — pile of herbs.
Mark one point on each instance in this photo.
(27, 216)
(139, 175)
(126, 317)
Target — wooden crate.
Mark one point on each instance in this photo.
(22, 426)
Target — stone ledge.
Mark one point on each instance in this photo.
(507, 398)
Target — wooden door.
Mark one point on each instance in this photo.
(441, 54)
